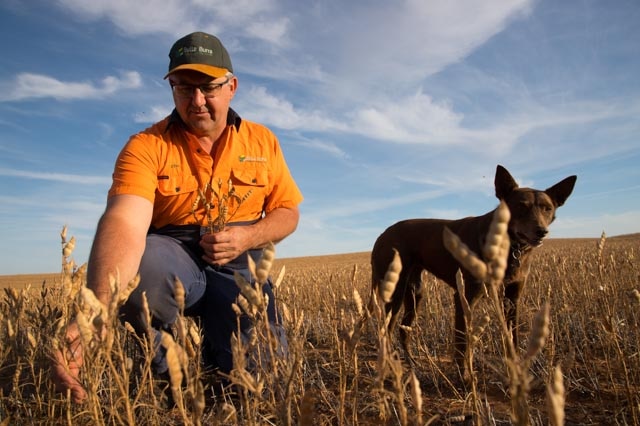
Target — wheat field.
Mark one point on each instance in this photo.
(581, 307)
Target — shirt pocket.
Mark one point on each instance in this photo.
(250, 176)
(176, 185)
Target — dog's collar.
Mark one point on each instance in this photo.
(516, 250)
(515, 253)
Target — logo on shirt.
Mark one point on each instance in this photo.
(245, 159)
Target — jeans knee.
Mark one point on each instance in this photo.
(159, 300)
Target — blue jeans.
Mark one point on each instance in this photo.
(209, 294)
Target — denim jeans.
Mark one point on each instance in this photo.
(209, 294)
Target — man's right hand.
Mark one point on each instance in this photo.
(66, 364)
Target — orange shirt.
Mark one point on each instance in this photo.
(166, 165)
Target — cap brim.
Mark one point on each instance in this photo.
(209, 70)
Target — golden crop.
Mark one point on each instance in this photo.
(579, 361)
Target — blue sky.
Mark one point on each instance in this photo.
(385, 110)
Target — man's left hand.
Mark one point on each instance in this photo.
(222, 247)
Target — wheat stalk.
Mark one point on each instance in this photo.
(388, 284)
(539, 332)
(467, 258)
(556, 398)
(263, 269)
(416, 395)
(222, 200)
(176, 363)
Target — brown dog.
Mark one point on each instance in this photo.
(419, 243)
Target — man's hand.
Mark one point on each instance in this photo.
(66, 365)
(222, 247)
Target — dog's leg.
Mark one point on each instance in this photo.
(412, 298)
(460, 338)
(397, 300)
(471, 290)
(511, 296)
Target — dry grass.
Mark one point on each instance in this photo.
(334, 373)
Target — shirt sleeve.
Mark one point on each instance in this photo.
(285, 192)
(135, 170)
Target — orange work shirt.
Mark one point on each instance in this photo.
(247, 174)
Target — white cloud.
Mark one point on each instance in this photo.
(395, 44)
(57, 177)
(326, 147)
(139, 17)
(413, 119)
(272, 31)
(178, 17)
(389, 42)
(354, 207)
(368, 63)
(262, 106)
(36, 86)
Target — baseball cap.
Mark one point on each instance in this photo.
(200, 52)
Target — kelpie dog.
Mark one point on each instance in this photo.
(419, 243)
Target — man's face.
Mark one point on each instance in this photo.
(204, 113)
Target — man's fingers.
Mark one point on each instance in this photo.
(65, 382)
(66, 370)
(78, 394)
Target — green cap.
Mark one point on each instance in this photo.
(200, 52)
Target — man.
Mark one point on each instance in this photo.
(163, 218)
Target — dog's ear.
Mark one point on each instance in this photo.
(561, 190)
(504, 183)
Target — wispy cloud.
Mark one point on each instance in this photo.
(379, 45)
(262, 106)
(57, 177)
(355, 207)
(395, 44)
(324, 146)
(256, 18)
(35, 86)
(371, 62)
(136, 17)
(274, 32)
(414, 119)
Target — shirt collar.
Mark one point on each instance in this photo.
(232, 119)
